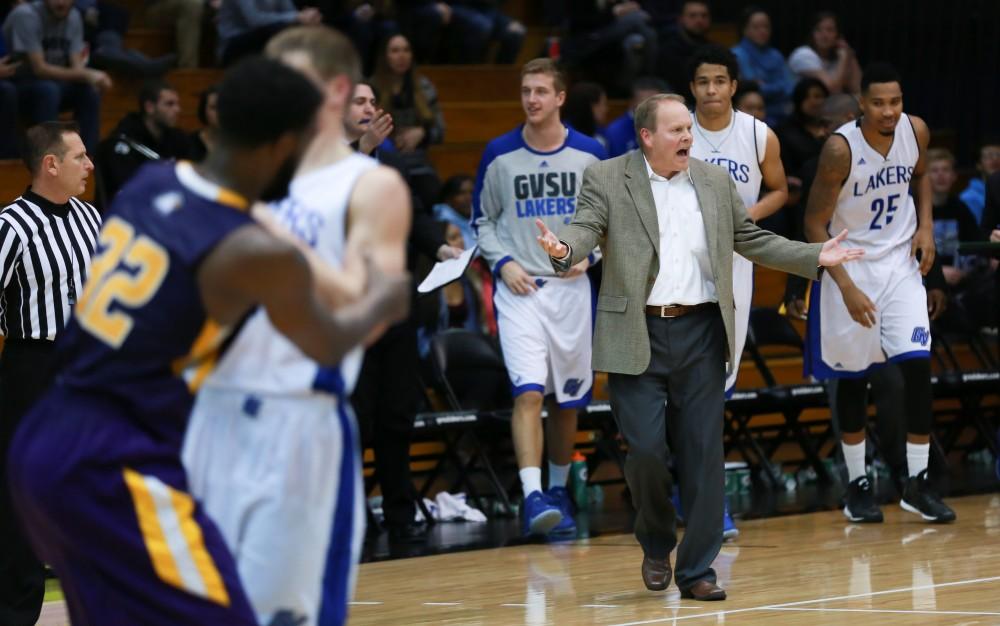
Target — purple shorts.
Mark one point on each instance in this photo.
(107, 506)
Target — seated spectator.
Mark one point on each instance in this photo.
(411, 99)
(615, 31)
(968, 276)
(104, 26)
(620, 133)
(478, 23)
(750, 100)
(974, 196)
(763, 64)
(55, 78)
(148, 134)
(200, 142)
(801, 137)
(8, 105)
(677, 44)
(366, 22)
(803, 134)
(184, 16)
(827, 57)
(456, 207)
(586, 110)
(368, 126)
(245, 26)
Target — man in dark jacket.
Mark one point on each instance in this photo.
(149, 134)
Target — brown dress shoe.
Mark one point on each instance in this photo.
(656, 573)
(704, 591)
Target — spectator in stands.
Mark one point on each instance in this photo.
(750, 100)
(611, 30)
(479, 23)
(677, 45)
(8, 106)
(586, 110)
(50, 33)
(761, 63)
(456, 207)
(412, 101)
(968, 276)
(620, 133)
(827, 57)
(991, 214)
(185, 18)
(974, 196)
(425, 21)
(202, 140)
(104, 26)
(803, 134)
(366, 22)
(149, 134)
(246, 25)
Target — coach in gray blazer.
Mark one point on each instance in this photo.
(665, 324)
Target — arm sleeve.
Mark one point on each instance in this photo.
(10, 253)
(255, 18)
(487, 207)
(590, 223)
(766, 248)
(25, 30)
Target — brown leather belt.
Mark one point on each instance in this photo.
(677, 310)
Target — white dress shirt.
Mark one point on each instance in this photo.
(685, 275)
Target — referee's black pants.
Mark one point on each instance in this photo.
(25, 373)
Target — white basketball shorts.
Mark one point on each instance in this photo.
(281, 478)
(546, 338)
(839, 347)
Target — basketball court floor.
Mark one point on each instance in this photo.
(812, 569)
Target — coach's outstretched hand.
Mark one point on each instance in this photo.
(833, 254)
(549, 242)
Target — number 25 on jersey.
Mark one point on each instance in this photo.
(128, 273)
(883, 207)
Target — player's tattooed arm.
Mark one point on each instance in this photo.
(834, 168)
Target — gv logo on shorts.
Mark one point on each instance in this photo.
(920, 335)
(572, 386)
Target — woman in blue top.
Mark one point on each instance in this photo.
(763, 64)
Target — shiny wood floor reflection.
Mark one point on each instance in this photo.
(810, 569)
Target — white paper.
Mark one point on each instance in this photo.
(445, 272)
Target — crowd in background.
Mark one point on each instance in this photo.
(56, 56)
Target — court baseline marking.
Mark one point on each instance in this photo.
(767, 607)
(915, 611)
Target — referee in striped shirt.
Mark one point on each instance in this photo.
(47, 237)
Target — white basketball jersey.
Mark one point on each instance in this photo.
(873, 204)
(738, 148)
(260, 358)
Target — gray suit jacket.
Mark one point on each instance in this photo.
(615, 210)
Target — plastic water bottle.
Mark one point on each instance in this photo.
(578, 469)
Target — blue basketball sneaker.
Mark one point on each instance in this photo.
(729, 529)
(539, 515)
(559, 496)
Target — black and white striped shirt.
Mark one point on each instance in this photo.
(45, 252)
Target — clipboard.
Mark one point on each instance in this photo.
(445, 272)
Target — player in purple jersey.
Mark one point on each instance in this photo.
(95, 469)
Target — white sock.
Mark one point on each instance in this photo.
(916, 457)
(558, 475)
(854, 458)
(531, 480)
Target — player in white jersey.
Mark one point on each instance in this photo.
(749, 151)
(534, 172)
(272, 449)
(876, 311)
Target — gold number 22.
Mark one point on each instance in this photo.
(128, 272)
